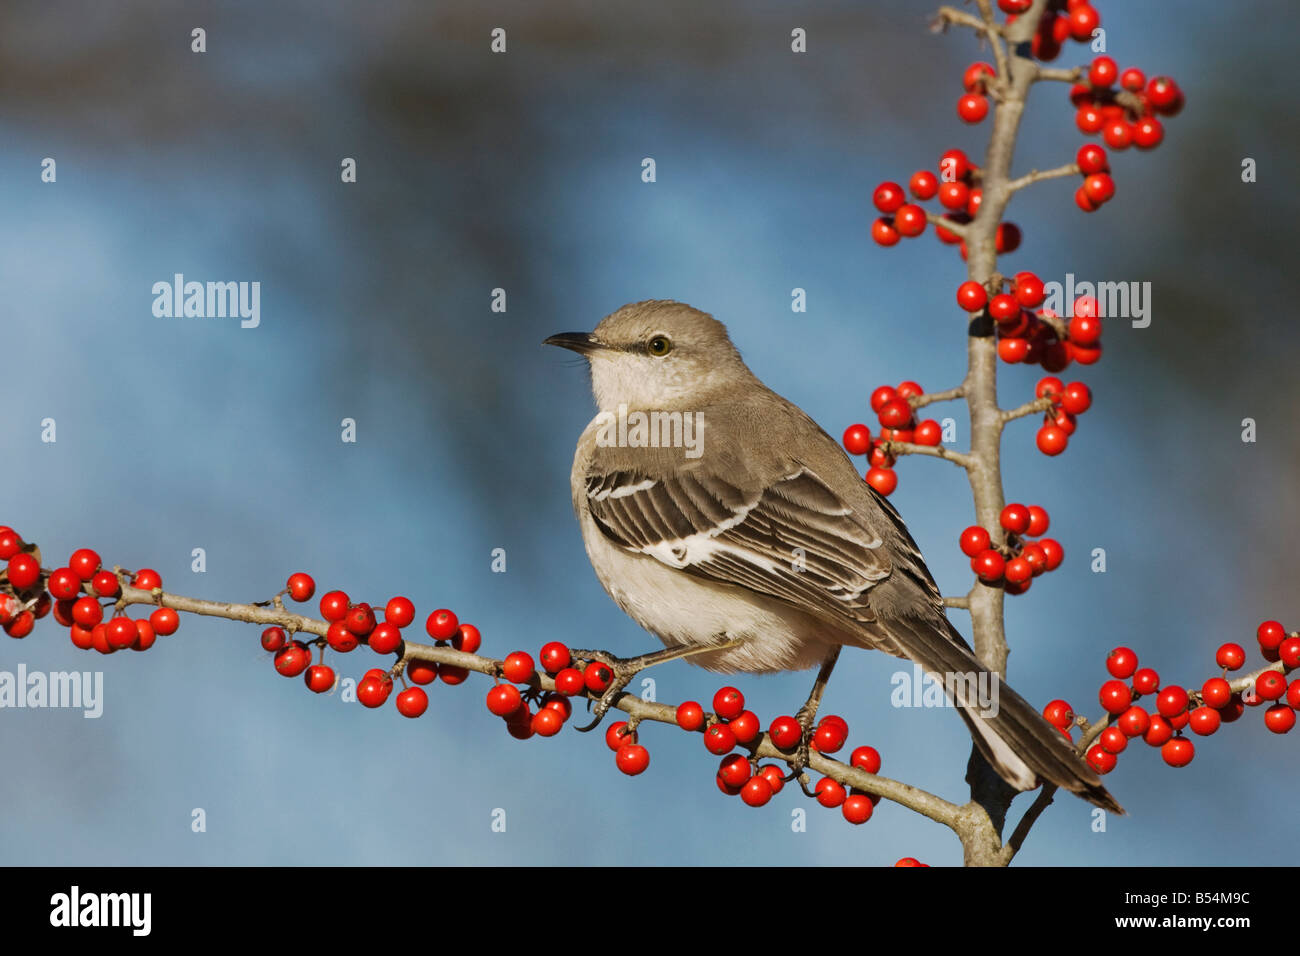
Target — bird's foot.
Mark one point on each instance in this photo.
(799, 761)
(623, 669)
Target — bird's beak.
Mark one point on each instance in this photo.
(580, 342)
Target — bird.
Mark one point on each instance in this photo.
(726, 522)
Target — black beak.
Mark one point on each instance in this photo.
(580, 342)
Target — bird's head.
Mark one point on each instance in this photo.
(656, 354)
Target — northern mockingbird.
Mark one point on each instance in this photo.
(727, 523)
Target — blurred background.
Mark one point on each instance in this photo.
(522, 171)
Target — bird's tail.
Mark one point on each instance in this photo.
(1012, 735)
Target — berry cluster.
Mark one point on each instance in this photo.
(1062, 20)
(739, 774)
(1178, 709)
(74, 593)
(957, 188)
(898, 423)
(1059, 421)
(1124, 117)
(1032, 335)
(1016, 563)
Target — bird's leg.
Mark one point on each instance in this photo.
(625, 668)
(808, 713)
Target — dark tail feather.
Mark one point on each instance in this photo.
(1017, 742)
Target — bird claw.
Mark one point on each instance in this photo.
(799, 762)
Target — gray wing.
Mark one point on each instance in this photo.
(794, 539)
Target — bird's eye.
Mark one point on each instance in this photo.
(659, 346)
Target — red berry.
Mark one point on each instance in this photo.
(954, 195)
(857, 439)
(857, 808)
(1103, 72)
(910, 221)
(1015, 518)
(144, 636)
(360, 620)
(1076, 399)
(1058, 713)
(923, 184)
(467, 639)
(1083, 20)
(885, 393)
(412, 702)
(164, 621)
(1113, 740)
(21, 625)
(617, 735)
(274, 638)
(385, 638)
(518, 667)
(975, 79)
(1270, 685)
(25, 570)
(632, 759)
(888, 198)
(973, 107)
(1293, 694)
(829, 792)
(1289, 652)
(554, 657)
(441, 625)
(421, 672)
(334, 605)
(690, 715)
(785, 733)
(569, 681)
(828, 738)
(1133, 80)
(1178, 752)
(1270, 634)
(1216, 692)
(1004, 307)
(84, 563)
(866, 758)
(399, 611)
(884, 233)
(775, 779)
(1148, 133)
(293, 660)
(1092, 159)
(504, 699)
(64, 584)
(928, 432)
(1279, 719)
(301, 586)
(547, 722)
(1146, 681)
(319, 678)
(1052, 440)
(87, 612)
(1100, 759)
(746, 727)
(373, 691)
(1013, 350)
(340, 638)
(971, 296)
(988, 565)
(719, 739)
(1099, 187)
(954, 165)
(734, 769)
(973, 540)
(896, 413)
(558, 703)
(1115, 697)
(1164, 95)
(597, 676)
(1204, 721)
(1038, 521)
(1089, 119)
(756, 792)
(1158, 731)
(1134, 722)
(1018, 571)
(1122, 662)
(451, 674)
(884, 480)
